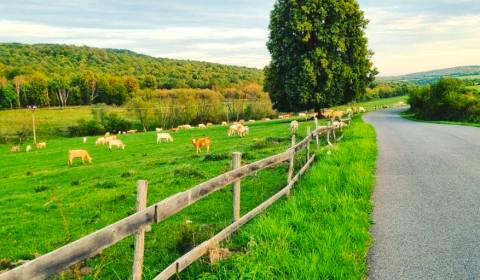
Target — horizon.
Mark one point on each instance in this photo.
(441, 34)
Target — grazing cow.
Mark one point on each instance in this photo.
(132, 131)
(15, 149)
(158, 129)
(202, 126)
(339, 124)
(349, 111)
(224, 123)
(185, 126)
(293, 127)
(28, 148)
(201, 142)
(327, 113)
(164, 136)
(361, 110)
(336, 115)
(233, 129)
(111, 137)
(83, 154)
(100, 141)
(41, 145)
(243, 131)
(84, 140)
(116, 143)
(175, 129)
(209, 124)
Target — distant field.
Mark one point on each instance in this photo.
(52, 120)
(49, 120)
(477, 87)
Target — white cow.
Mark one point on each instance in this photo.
(164, 136)
(293, 127)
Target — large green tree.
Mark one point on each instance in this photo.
(319, 54)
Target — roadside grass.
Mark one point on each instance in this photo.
(411, 116)
(321, 231)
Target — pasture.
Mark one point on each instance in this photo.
(46, 204)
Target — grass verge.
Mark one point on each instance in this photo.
(411, 116)
(322, 231)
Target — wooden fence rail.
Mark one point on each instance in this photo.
(137, 223)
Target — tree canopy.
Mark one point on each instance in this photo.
(319, 54)
(61, 75)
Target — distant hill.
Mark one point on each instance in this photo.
(462, 72)
(53, 59)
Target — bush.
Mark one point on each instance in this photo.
(86, 128)
(113, 123)
(448, 99)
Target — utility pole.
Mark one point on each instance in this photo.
(32, 109)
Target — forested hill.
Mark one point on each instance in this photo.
(462, 72)
(49, 59)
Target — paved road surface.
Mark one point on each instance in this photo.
(427, 200)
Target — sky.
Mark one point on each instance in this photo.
(406, 36)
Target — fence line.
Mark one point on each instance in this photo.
(90, 245)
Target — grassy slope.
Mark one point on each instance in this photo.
(322, 231)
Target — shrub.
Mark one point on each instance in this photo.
(86, 128)
(113, 123)
(448, 99)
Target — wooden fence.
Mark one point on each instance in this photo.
(139, 222)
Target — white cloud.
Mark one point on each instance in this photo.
(405, 43)
(246, 45)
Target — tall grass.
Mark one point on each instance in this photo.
(322, 231)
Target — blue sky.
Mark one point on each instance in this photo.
(406, 36)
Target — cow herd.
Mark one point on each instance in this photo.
(237, 128)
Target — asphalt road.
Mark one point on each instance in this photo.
(426, 201)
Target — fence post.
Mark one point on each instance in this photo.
(292, 164)
(236, 163)
(138, 253)
(309, 141)
(316, 136)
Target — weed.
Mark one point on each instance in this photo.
(41, 188)
(107, 185)
(216, 157)
(188, 172)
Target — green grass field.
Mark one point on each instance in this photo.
(46, 204)
(477, 87)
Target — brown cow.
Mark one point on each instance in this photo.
(201, 142)
(83, 154)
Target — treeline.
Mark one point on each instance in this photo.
(60, 75)
(387, 89)
(449, 99)
(169, 108)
